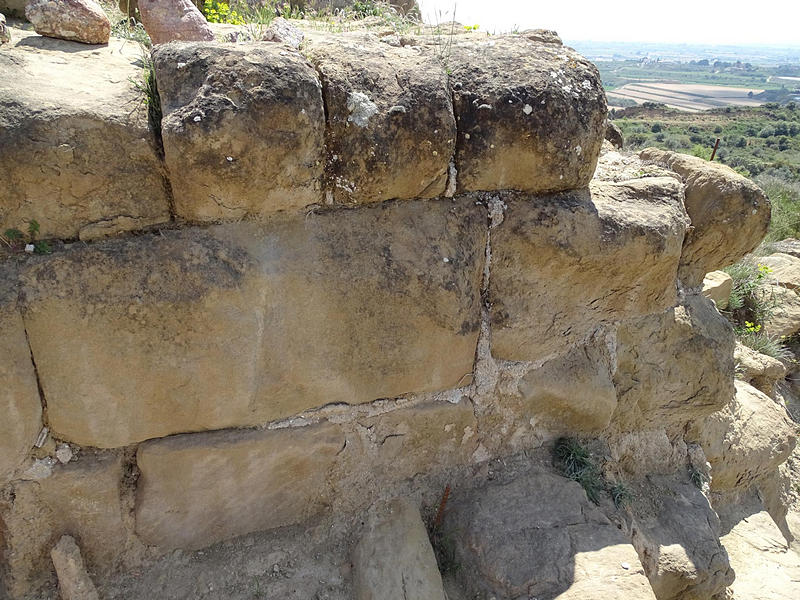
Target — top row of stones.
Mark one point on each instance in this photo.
(253, 129)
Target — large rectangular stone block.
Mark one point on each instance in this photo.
(198, 489)
(76, 150)
(243, 128)
(246, 323)
(564, 264)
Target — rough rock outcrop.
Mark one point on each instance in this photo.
(759, 370)
(243, 153)
(531, 116)
(74, 582)
(746, 440)
(784, 310)
(614, 135)
(394, 559)
(76, 20)
(346, 306)
(13, 8)
(171, 20)
(391, 131)
(718, 199)
(564, 264)
(717, 286)
(674, 366)
(76, 150)
(788, 246)
(196, 490)
(784, 269)
(538, 536)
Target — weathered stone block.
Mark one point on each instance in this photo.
(531, 116)
(243, 129)
(198, 489)
(394, 559)
(749, 438)
(274, 319)
(77, 20)
(76, 150)
(730, 214)
(759, 370)
(539, 536)
(391, 130)
(784, 317)
(717, 286)
(784, 269)
(564, 264)
(673, 367)
(20, 405)
(81, 499)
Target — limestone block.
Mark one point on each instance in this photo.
(76, 20)
(749, 438)
(730, 214)
(76, 150)
(391, 131)
(198, 489)
(539, 536)
(170, 20)
(20, 405)
(564, 264)
(582, 401)
(81, 499)
(74, 582)
(759, 370)
(677, 541)
(784, 269)
(243, 129)
(784, 318)
(717, 286)
(243, 324)
(674, 366)
(394, 559)
(531, 116)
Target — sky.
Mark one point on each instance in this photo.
(736, 22)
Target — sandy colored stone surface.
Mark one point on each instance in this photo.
(20, 405)
(784, 318)
(391, 131)
(81, 499)
(564, 264)
(759, 370)
(677, 541)
(674, 366)
(196, 490)
(171, 20)
(394, 559)
(276, 319)
(729, 213)
(717, 286)
(74, 582)
(539, 536)
(531, 116)
(749, 438)
(784, 269)
(75, 20)
(76, 150)
(246, 153)
(13, 8)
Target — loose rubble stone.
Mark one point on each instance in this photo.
(170, 20)
(391, 131)
(198, 489)
(717, 286)
(531, 116)
(76, 150)
(673, 367)
(81, 499)
(729, 213)
(784, 317)
(562, 265)
(759, 370)
(277, 318)
(678, 543)
(74, 582)
(281, 31)
(749, 438)
(539, 536)
(394, 559)
(614, 134)
(76, 20)
(244, 154)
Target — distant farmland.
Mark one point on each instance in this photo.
(685, 96)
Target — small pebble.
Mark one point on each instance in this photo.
(626, 566)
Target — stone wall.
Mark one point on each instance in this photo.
(332, 273)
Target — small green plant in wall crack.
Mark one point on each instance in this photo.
(18, 241)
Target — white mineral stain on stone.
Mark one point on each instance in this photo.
(578, 150)
(527, 109)
(586, 84)
(361, 108)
